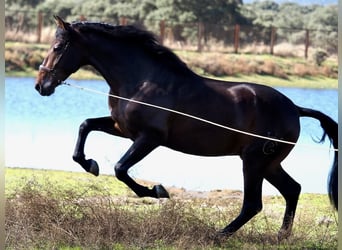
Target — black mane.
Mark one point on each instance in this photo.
(131, 34)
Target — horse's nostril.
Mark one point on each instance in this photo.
(38, 87)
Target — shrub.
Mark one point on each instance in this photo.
(48, 216)
(319, 57)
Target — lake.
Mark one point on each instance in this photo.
(41, 133)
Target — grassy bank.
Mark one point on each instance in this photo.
(24, 59)
(62, 210)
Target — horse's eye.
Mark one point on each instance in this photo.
(57, 47)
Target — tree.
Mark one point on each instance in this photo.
(324, 22)
(95, 10)
(261, 13)
(19, 13)
(62, 8)
(22, 3)
(184, 16)
(290, 22)
(135, 10)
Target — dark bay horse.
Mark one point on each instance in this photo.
(138, 68)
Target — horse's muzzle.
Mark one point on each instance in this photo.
(45, 90)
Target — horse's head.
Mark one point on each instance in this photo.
(62, 60)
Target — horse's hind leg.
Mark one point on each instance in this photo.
(290, 189)
(104, 124)
(252, 201)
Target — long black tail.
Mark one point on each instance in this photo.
(330, 128)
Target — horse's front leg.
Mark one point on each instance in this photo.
(104, 124)
(141, 147)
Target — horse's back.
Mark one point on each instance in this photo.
(266, 107)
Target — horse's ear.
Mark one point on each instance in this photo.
(61, 23)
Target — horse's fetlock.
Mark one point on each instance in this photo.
(78, 157)
(258, 209)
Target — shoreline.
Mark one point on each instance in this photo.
(173, 189)
(292, 82)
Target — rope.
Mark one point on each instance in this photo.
(183, 114)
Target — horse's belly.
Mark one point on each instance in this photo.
(208, 144)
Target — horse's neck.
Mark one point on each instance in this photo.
(126, 69)
(120, 74)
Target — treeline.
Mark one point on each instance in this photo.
(290, 19)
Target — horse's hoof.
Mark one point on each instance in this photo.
(283, 234)
(219, 238)
(93, 167)
(224, 233)
(161, 191)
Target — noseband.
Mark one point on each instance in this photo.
(52, 70)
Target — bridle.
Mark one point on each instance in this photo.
(52, 70)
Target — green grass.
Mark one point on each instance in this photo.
(84, 183)
(64, 210)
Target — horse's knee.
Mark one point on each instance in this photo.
(84, 126)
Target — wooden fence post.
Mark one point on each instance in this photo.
(200, 33)
(39, 26)
(236, 38)
(123, 21)
(273, 38)
(162, 31)
(83, 18)
(307, 43)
